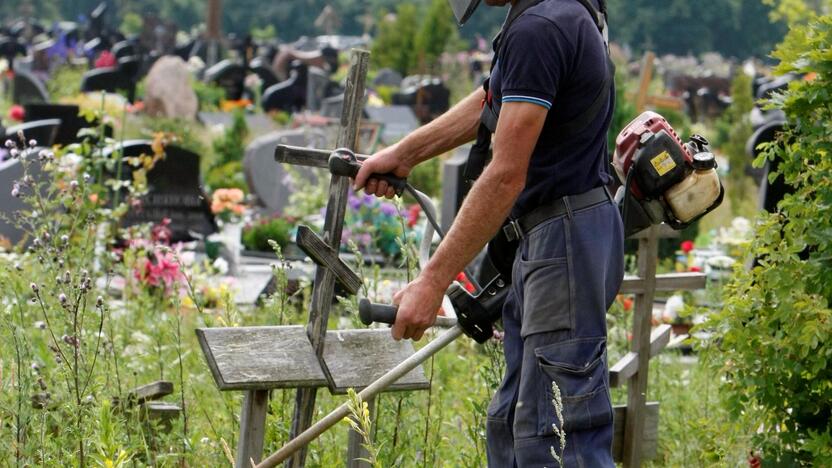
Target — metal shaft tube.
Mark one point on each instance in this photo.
(372, 390)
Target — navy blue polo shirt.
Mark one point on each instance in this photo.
(554, 56)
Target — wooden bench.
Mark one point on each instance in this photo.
(259, 359)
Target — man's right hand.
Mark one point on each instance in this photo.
(388, 160)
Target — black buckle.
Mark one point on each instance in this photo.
(513, 231)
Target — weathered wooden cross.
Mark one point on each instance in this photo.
(258, 359)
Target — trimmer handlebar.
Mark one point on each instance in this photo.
(343, 162)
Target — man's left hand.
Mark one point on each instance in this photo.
(418, 303)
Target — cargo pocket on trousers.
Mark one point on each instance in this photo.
(547, 296)
(578, 367)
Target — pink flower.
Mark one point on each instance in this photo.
(106, 59)
(687, 246)
(16, 113)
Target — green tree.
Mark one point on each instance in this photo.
(394, 45)
(773, 339)
(437, 31)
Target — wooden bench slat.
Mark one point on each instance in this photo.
(149, 392)
(627, 366)
(667, 282)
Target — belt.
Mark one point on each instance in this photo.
(518, 228)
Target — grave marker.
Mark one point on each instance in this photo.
(264, 177)
(174, 192)
(396, 121)
(28, 88)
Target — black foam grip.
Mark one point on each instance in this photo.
(379, 313)
(344, 167)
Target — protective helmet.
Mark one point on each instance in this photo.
(463, 9)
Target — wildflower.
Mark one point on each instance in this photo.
(99, 302)
(67, 277)
(389, 209)
(10, 144)
(73, 184)
(62, 298)
(41, 325)
(33, 142)
(37, 242)
(34, 287)
(18, 267)
(42, 155)
(64, 239)
(35, 366)
(15, 191)
(87, 177)
(14, 152)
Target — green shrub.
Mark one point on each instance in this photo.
(231, 146)
(228, 175)
(257, 236)
(773, 339)
(208, 95)
(186, 132)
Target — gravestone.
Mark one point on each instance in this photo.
(43, 131)
(11, 170)
(174, 192)
(317, 89)
(331, 106)
(168, 90)
(229, 76)
(264, 176)
(258, 124)
(426, 95)
(71, 122)
(388, 77)
(289, 95)
(396, 121)
(123, 49)
(27, 88)
(454, 186)
(111, 79)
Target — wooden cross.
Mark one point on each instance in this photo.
(259, 359)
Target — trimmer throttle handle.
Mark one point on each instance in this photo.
(370, 312)
(343, 162)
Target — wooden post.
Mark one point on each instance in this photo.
(645, 77)
(324, 284)
(648, 248)
(213, 30)
(252, 428)
(357, 455)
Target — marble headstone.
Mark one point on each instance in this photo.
(396, 121)
(265, 176)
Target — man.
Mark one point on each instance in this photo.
(551, 70)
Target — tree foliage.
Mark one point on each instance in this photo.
(437, 31)
(740, 132)
(396, 39)
(774, 336)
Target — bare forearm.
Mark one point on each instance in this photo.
(453, 128)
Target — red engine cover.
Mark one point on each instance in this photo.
(628, 141)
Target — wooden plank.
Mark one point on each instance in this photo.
(324, 284)
(357, 455)
(160, 410)
(645, 77)
(326, 256)
(642, 316)
(257, 358)
(650, 438)
(666, 102)
(624, 369)
(668, 282)
(663, 231)
(149, 392)
(252, 428)
(310, 157)
(627, 366)
(356, 358)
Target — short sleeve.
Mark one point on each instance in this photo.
(532, 61)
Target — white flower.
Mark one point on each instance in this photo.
(221, 265)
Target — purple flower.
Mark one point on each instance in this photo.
(354, 203)
(368, 200)
(365, 239)
(389, 209)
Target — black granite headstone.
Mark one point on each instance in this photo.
(11, 171)
(71, 121)
(27, 88)
(289, 95)
(427, 96)
(42, 131)
(174, 192)
(229, 76)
